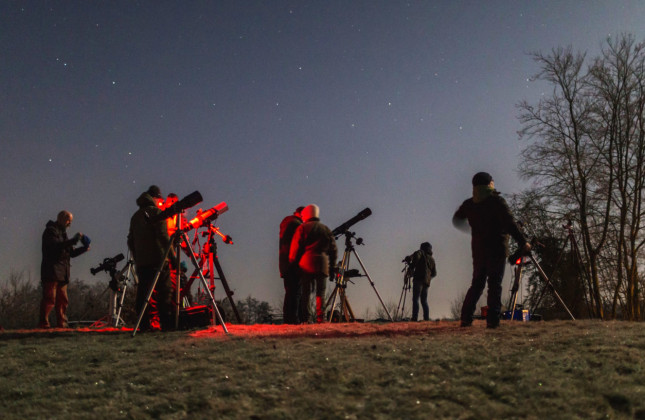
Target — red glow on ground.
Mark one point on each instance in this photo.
(326, 330)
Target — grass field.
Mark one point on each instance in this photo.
(554, 370)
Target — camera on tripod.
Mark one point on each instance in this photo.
(108, 264)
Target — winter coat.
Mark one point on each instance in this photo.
(491, 223)
(148, 241)
(57, 250)
(287, 230)
(313, 248)
(424, 267)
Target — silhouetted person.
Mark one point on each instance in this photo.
(424, 270)
(288, 272)
(313, 251)
(57, 251)
(148, 241)
(490, 223)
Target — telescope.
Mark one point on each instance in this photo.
(206, 216)
(189, 201)
(107, 264)
(342, 229)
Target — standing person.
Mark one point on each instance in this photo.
(490, 223)
(148, 240)
(313, 251)
(424, 270)
(289, 275)
(57, 251)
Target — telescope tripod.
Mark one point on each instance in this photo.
(118, 286)
(175, 240)
(547, 283)
(209, 256)
(343, 276)
(407, 285)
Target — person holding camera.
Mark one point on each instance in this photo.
(490, 222)
(425, 270)
(148, 241)
(57, 250)
(313, 253)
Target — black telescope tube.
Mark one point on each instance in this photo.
(345, 226)
(187, 202)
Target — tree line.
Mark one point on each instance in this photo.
(20, 297)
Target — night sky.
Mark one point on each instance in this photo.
(268, 105)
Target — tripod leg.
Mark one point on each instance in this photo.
(118, 318)
(405, 298)
(398, 316)
(332, 299)
(205, 284)
(228, 291)
(373, 286)
(340, 284)
(548, 282)
(347, 309)
(152, 289)
(178, 281)
(516, 286)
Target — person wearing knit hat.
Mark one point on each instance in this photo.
(313, 253)
(148, 241)
(490, 222)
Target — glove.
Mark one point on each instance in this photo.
(76, 238)
(85, 240)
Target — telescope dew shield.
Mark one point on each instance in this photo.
(207, 216)
(187, 202)
(345, 226)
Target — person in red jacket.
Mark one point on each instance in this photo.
(313, 251)
(289, 275)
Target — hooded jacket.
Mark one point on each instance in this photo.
(148, 241)
(424, 267)
(491, 223)
(313, 248)
(57, 250)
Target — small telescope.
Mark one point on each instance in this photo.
(189, 201)
(342, 229)
(206, 216)
(107, 264)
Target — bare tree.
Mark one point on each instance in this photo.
(565, 158)
(587, 158)
(617, 78)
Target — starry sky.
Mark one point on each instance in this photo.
(391, 105)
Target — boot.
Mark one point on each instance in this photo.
(319, 310)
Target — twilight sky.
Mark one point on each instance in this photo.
(268, 105)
